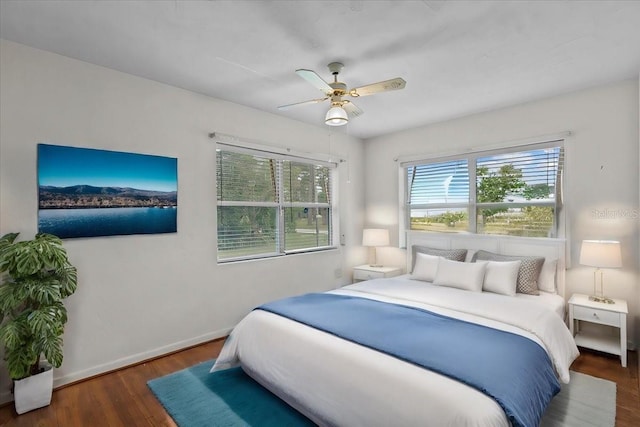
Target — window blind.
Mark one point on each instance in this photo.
(443, 182)
(269, 204)
(524, 175)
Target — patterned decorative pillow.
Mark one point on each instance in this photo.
(528, 274)
(452, 254)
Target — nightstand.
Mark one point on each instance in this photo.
(581, 309)
(366, 272)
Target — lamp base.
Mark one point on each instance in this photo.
(604, 300)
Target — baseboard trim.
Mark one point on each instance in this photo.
(6, 397)
(135, 359)
(138, 358)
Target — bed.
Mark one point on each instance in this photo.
(335, 381)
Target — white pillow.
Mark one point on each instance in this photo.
(547, 278)
(425, 268)
(470, 254)
(501, 277)
(461, 275)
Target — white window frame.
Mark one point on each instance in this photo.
(472, 205)
(279, 155)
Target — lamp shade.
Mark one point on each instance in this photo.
(601, 253)
(375, 237)
(336, 116)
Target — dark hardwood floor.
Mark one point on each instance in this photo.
(122, 398)
(628, 385)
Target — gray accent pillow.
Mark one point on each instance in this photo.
(452, 254)
(528, 274)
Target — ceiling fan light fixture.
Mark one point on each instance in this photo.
(336, 116)
(341, 109)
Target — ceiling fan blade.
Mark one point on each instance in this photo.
(387, 85)
(315, 80)
(352, 109)
(298, 104)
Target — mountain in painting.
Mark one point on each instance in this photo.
(87, 196)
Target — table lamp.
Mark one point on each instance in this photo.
(375, 237)
(600, 254)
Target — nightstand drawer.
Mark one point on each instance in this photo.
(367, 275)
(596, 316)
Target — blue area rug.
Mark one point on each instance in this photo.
(195, 398)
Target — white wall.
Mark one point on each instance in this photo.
(140, 296)
(601, 172)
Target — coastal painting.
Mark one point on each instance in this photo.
(86, 192)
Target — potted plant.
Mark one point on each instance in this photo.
(36, 278)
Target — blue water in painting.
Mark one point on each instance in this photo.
(66, 223)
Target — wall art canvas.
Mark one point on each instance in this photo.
(86, 192)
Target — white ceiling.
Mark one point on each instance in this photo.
(458, 57)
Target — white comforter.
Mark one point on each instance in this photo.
(336, 382)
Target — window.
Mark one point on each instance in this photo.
(271, 204)
(512, 192)
(439, 195)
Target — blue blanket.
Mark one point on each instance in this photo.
(511, 369)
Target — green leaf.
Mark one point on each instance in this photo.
(6, 247)
(44, 292)
(68, 280)
(60, 313)
(19, 362)
(52, 350)
(8, 298)
(41, 321)
(14, 335)
(27, 262)
(7, 240)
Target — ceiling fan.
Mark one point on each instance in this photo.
(342, 109)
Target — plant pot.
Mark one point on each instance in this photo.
(33, 392)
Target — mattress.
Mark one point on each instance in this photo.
(336, 382)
